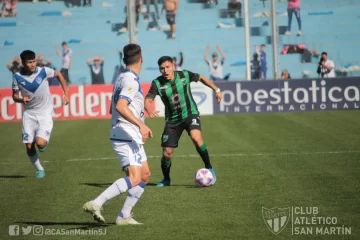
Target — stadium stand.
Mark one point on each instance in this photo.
(328, 25)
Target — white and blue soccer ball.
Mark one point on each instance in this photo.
(203, 177)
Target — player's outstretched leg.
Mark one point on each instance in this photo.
(34, 159)
(202, 150)
(165, 166)
(134, 194)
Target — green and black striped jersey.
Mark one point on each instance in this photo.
(176, 95)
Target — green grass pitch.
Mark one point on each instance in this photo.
(261, 160)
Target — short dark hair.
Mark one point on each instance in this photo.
(132, 54)
(323, 53)
(27, 55)
(164, 59)
(63, 43)
(263, 45)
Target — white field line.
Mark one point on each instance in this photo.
(224, 155)
(212, 155)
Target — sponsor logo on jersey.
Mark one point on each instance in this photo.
(38, 79)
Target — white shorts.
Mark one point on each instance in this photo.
(129, 153)
(36, 126)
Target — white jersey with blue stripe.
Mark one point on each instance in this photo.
(127, 86)
(36, 87)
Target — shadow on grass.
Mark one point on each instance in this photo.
(100, 185)
(13, 176)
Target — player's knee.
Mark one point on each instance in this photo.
(167, 155)
(29, 146)
(30, 149)
(145, 177)
(197, 140)
(41, 143)
(135, 176)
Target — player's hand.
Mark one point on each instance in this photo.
(218, 96)
(153, 114)
(26, 100)
(145, 132)
(66, 98)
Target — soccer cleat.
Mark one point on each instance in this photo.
(214, 176)
(163, 183)
(299, 33)
(43, 149)
(126, 221)
(40, 174)
(94, 210)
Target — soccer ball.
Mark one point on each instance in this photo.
(203, 177)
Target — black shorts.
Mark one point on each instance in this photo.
(172, 131)
(170, 17)
(65, 73)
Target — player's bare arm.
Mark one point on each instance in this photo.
(222, 54)
(70, 61)
(176, 5)
(9, 64)
(64, 87)
(152, 113)
(123, 109)
(206, 54)
(16, 97)
(211, 85)
(57, 51)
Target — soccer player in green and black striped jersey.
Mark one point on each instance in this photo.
(181, 112)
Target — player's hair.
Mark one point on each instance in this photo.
(132, 54)
(27, 55)
(63, 43)
(324, 53)
(263, 45)
(164, 59)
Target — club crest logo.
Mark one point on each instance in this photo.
(276, 218)
(175, 99)
(165, 138)
(38, 79)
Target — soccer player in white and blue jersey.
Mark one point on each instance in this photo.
(32, 83)
(128, 135)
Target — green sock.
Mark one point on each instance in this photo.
(165, 168)
(204, 154)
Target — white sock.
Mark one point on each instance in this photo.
(133, 196)
(118, 187)
(36, 162)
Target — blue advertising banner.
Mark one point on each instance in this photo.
(288, 96)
